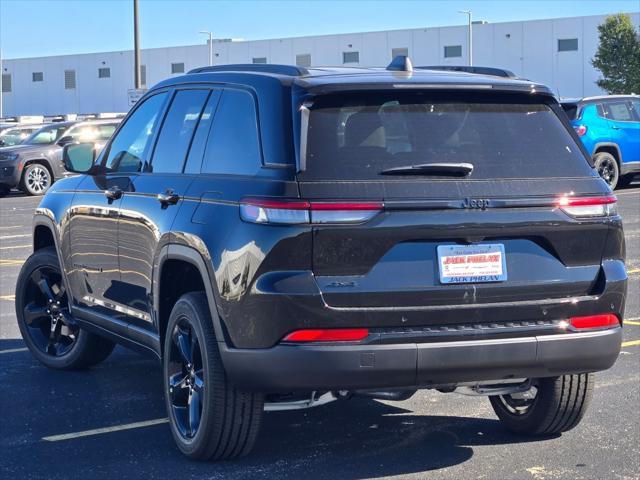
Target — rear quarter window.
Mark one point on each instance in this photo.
(357, 138)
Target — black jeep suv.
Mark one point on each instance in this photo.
(281, 237)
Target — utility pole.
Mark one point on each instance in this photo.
(136, 47)
(1, 87)
(210, 46)
(469, 15)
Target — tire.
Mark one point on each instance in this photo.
(36, 179)
(73, 348)
(558, 406)
(4, 190)
(209, 418)
(608, 168)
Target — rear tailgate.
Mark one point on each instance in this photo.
(524, 157)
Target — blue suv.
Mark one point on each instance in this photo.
(609, 127)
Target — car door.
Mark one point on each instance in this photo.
(150, 207)
(95, 277)
(625, 129)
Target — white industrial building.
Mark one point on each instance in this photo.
(556, 52)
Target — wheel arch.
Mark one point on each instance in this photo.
(188, 266)
(609, 147)
(42, 161)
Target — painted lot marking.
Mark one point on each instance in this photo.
(632, 343)
(16, 246)
(9, 298)
(14, 350)
(9, 237)
(99, 431)
(11, 262)
(633, 271)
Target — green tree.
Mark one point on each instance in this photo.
(618, 55)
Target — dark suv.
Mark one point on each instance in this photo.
(35, 163)
(281, 237)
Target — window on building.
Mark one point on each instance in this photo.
(143, 75)
(404, 51)
(104, 72)
(350, 57)
(452, 51)
(303, 60)
(129, 149)
(177, 130)
(233, 145)
(177, 68)
(259, 59)
(37, 77)
(69, 79)
(567, 44)
(6, 83)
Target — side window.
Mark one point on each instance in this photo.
(130, 148)
(199, 143)
(91, 133)
(635, 109)
(234, 141)
(619, 112)
(601, 111)
(177, 131)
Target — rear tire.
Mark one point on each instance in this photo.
(558, 406)
(69, 348)
(209, 417)
(607, 168)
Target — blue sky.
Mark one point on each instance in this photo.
(32, 28)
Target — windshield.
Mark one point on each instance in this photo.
(14, 136)
(46, 135)
(357, 138)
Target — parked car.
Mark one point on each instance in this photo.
(35, 163)
(280, 237)
(14, 133)
(609, 127)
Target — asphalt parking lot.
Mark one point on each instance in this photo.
(49, 418)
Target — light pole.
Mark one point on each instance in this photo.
(210, 46)
(1, 87)
(469, 15)
(136, 48)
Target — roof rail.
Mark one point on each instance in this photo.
(289, 70)
(492, 71)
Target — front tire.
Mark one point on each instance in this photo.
(558, 405)
(42, 311)
(209, 417)
(36, 179)
(607, 168)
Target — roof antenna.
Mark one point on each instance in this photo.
(401, 63)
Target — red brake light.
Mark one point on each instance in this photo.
(607, 320)
(588, 206)
(293, 212)
(581, 130)
(328, 335)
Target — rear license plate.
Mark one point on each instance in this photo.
(472, 263)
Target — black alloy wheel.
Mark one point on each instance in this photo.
(186, 378)
(46, 313)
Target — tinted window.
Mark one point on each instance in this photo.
(177, 131)
(356, 138)
(567, 44)
(635, 107)
(14, 136)
(199, 143)
(571, 109)
(619, 111)
(91, 133)
(47, 135)
(234, 144)
(130, 148)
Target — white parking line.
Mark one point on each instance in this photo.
(13, 350)
(7, 237)
(98, 431)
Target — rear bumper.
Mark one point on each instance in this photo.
(286, 368)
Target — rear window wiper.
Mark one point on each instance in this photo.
(450, 169)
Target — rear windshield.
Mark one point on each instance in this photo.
(571, 109)
(357, 138)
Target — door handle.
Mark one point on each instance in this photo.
(113, 193)
(169, 197)
(615, 127)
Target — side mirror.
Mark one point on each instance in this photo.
(65, 140)
(1, 143)
(79, 157)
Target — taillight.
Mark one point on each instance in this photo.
(588, 206)
(581, 130)
(607, 320)
(327, 335)
(282, 212)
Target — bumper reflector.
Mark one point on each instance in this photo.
(607, 320)
(327, 335)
